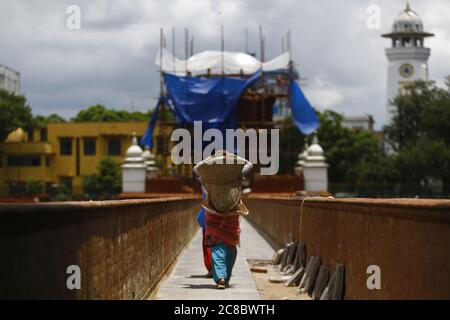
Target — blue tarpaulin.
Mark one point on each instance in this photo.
(303, 114)
(213, 101)
(210, 100)
(147, 139)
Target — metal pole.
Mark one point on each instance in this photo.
(186, 47)
(222, 48)
(161, 73)
(263, 96)
(260, 43)
(290, 44)
(246, 40)
(173, 50)
(264, 48)
(161, 44)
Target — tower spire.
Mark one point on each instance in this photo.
(408, 8)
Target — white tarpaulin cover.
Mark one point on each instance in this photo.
(233, 63)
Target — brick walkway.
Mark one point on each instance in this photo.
(186, 280)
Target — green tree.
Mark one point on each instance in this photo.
(379, 169)
(14, 113)
(100, 113)
(90, 188)
(346, 150)
(34, 187)
(292, 142)
(42, 121)
(420, 133)
(424, 110)
(349, 153)
(106, 183)
(63, 193)
(424, 161)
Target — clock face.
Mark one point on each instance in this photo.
(406, 70)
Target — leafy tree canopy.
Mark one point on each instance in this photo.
(34, 187)
(42, 121)
(14, 113)
(346, 151)
(291, 142)
(420, 133)
(106, 183)
(100, 113)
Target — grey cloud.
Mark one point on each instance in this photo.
(111, 59)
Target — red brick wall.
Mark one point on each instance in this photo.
(122, 247)
(282, 183)
(408, 239)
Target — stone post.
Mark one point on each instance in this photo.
(133, 169)
(315, 169)
(301, 161)
(152, 169)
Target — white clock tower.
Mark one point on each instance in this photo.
(408, 57)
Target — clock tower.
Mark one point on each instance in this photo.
(408, 57)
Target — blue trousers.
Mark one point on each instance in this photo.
(223, 259)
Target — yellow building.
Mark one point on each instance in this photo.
(62, 153)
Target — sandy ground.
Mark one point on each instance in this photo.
(273, 291)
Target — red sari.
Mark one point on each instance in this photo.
(206, 252)
(222, 229)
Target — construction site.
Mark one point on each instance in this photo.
(202, 211)
(247, 94)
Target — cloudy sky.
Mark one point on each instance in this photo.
(110, 60)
